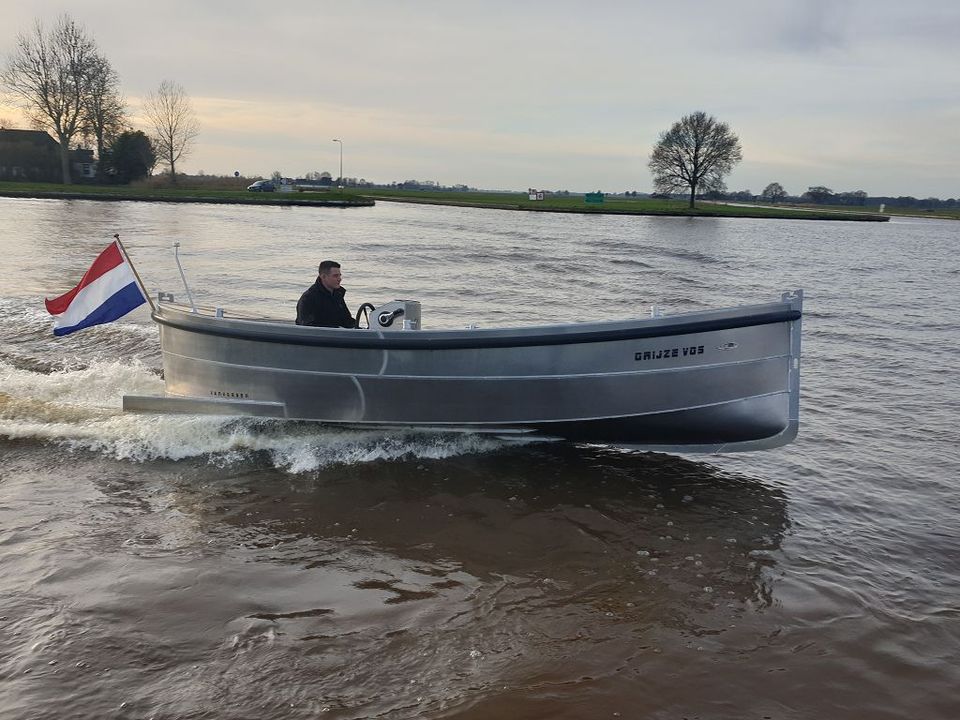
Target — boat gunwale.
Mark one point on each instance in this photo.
(478, 340)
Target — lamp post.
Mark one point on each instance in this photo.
(338, 140)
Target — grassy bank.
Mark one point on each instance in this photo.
(611, 205)
(941, 214)
(143, 193)
(226, 191)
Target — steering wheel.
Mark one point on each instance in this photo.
(362, 311)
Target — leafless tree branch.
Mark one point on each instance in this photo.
(174, 123)
(48, 75)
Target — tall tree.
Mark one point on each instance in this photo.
(174, 123)
(48, 76)
(773, 192)
(104, 107)
(695, 154)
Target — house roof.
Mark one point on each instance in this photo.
(36, 137)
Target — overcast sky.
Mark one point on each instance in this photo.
(854, 95)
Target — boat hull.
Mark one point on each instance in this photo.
(717, 380)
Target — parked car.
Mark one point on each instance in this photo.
(261, 186)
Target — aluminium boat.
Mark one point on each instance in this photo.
(709, 381)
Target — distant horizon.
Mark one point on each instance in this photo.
(227, 174)
(546, 189)
(854, 96)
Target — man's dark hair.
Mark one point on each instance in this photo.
(327, 265)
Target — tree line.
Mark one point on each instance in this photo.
(64, 85)
(821, 195)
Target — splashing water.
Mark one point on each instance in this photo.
(80, 409)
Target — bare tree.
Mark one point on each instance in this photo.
(695, 153)
(48, 76)
(174, 123)
(104, 107)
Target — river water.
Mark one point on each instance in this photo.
(176, 567)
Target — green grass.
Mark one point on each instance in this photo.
(941, 213)
(182, 194)
(611, 205)
(208, 190)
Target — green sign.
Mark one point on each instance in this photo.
(596, 197)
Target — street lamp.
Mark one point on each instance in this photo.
(337, 140)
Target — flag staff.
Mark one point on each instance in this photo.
(133, 267)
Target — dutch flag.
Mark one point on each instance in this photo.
(108, 290)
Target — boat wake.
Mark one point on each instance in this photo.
(80, 410)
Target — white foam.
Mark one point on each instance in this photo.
(80, 409)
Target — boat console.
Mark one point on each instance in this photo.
(395, 315)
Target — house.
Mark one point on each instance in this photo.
(82, 164)
(32, 155)
(29, 155)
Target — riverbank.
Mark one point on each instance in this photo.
(553, 203)
(614, 205)
(177, 195)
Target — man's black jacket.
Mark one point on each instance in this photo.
(321, 308)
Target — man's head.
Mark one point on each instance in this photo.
(330, 274)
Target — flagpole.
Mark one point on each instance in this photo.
(143, 288)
